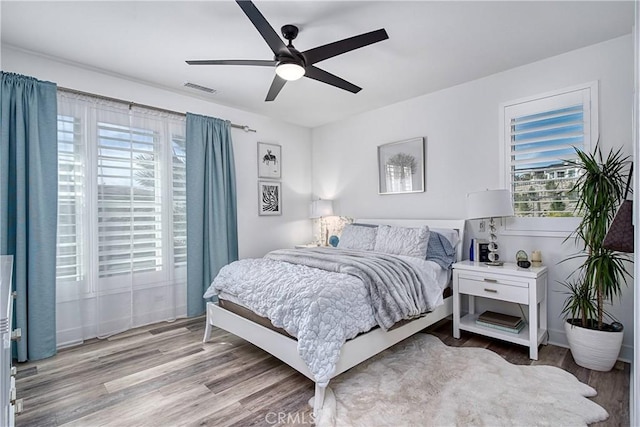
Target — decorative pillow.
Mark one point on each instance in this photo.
(440, 250)
(402, 240)
(451, 234)
(358, 236)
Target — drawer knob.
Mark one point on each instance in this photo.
(491, 280)
(494, 291)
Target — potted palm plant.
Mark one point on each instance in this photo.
(600, 188)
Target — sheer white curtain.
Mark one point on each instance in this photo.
(122, 229)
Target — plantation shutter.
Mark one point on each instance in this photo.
(179, 159)
(129, 200)
(543, 135)
(69, 254)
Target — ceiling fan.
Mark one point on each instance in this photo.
(292, 64)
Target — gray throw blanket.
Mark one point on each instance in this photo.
(396, 291)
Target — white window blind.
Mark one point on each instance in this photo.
(129, 200)
(541, 146)
(541, 135)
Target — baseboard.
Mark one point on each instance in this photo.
(559, 338)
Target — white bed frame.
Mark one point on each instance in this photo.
(353, 351)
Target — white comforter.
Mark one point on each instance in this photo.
(322, 309)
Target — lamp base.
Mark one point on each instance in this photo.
(494, 258)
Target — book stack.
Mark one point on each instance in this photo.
(503, 322)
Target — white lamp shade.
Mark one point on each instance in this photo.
(489, 204)
(290, 71)
(320, 208)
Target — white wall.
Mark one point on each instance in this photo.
(257, 234)
(460, 125)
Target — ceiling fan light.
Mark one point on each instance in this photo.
(290, 71)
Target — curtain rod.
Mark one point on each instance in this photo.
(135, 104)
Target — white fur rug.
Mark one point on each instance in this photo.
(423, 382)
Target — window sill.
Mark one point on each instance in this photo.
(536, 233)
(540, 227)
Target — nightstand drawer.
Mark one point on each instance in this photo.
(496, 289)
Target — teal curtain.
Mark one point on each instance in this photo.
(28, 207)
(212, 224)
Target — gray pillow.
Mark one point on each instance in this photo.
(449, 233)
(358, 236)
(440, 250)
(402, 240)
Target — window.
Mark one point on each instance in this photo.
(70, 200)
(129, 200)
(121, 212)
(179, 160)
(539, 139)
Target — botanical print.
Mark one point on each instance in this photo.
(401, 167)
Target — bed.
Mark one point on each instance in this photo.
(355, 350)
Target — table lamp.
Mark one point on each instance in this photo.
(319, 209)
(490, 204)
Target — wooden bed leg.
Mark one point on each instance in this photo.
(318, 401)
(207, 330)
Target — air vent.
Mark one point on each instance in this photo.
(200, 88)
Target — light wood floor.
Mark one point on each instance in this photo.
(161, 375)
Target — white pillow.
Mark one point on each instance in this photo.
(403, 240)
(360, 237)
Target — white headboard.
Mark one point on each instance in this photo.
(456, 224)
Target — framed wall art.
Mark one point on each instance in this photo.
(401, 167)
(269, 198)
(269, 160)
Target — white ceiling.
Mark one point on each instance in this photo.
(432, 44)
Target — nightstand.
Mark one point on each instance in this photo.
(505, 283)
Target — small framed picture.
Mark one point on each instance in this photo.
(269, 160)
(401, 167)
(269, 198)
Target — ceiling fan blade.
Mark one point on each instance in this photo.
(330, 50)
(257, 62)
(264, 28)
(316, 73)
(276, 87)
